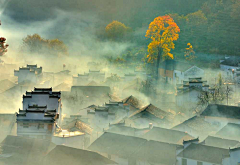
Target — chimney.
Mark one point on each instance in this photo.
(150, 125)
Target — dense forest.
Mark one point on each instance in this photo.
(211, 26)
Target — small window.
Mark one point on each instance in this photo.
(184, 161)
(199, 163)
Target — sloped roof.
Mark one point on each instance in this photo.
(92, 83)
(133, 85)
(116, 144)
(133, 101)
(62, 155)
(224, 111)
(231, 61)
(197, 124)
(78, 125)
(220, 142)
(125, 130)
(167, 135)
(175, 65)
(62, 87)
(136, 148)
(5, 85)
(7, 125)
(204, 153)
(230, 131)
(93, 91)
(22, 150)
(28, 143)
(157, 152)
(152, 110)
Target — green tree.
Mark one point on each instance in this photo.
(116, 30)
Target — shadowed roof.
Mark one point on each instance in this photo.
(220, 142)
(136, 148)
(204, 153)
(63, 155)
(167, 135)
(216, 110)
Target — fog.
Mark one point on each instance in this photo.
(113, 107)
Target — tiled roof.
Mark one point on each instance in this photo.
(166, 135)
(133, 101)
(230, 131)
(232, 61)
(152, 110)
(220, 142)
(62, 155)
(224, 111)
(204, 153)
(137, 148)
(198, 125)
(5, 85)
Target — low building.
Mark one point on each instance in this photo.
(130, 150)
(220, 142)
(5, 85)
(78, 125)
(221, 114)
(176, 72)
(7, 125)
(194, 153)
(228, 67)
(123, 129)
(230, 131)
(29, 73)
(24, 151)
(167, 135)
(149, 114)
(41, 113)
(100, 118)
(84, 79)
(62, 155)
(69, 138)
(197, 126)
(189, 91)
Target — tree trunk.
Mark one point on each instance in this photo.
(158, 62)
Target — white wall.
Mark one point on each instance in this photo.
(191, 162)
(33, 130)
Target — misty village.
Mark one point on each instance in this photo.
(120, 82)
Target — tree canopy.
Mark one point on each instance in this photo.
(162, 32)
(116, 30)
(36, 44)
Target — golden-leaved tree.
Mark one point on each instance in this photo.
(189, 53)
(116, 30)
(162, 32)
(3, 45)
